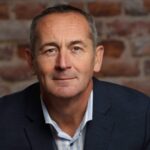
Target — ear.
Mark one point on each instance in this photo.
(98, 58)
(29, 57)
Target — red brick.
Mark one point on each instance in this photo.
(4, 11)
(134, 7)
(119, 68)
(119, 27)
(113, 48)
(105, 8)
(142, 85)
(99, 27)
(6, 51)
(141, 46)
(21, 50)
(15, 73)
(14, 30)
(140, 27)
(147, 67)
(147, 5)
(77, 4)
(28, 10)
(126, 28)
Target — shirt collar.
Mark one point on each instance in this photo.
(87, 117)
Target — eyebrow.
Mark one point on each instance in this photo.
(77, 42)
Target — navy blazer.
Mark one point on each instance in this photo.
(121, 120)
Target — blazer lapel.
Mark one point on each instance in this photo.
(99, 130)
(37, 132)
(39, 137)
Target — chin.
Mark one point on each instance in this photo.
(65, 93)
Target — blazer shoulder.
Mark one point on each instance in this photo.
(16, 102)
(13, 97)
(121, 96)
(117, 90)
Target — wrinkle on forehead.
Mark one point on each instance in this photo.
(61, 22)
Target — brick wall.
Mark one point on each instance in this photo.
(123, 27)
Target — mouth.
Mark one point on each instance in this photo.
(64, 78)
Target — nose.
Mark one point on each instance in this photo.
(63, 61)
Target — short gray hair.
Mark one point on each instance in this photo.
(62, 8)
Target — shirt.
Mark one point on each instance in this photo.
(63, 141)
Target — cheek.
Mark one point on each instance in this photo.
(86, 66)
(43, 67)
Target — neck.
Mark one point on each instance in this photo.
(68, 113)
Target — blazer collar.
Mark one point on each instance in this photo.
(33, 107)
(37, 132)
(99, 130)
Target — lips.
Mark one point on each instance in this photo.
(63, 78)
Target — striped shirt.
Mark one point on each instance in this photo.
(63, 141)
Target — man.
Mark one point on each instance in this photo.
(69, 109)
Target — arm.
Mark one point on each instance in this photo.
(147, 131)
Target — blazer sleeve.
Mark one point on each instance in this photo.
(147, 131)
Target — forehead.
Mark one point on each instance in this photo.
(63, 23)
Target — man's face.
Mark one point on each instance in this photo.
(65, 59)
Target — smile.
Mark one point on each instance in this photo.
(63, 79)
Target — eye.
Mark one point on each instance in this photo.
(50, 51)
(76, 49)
